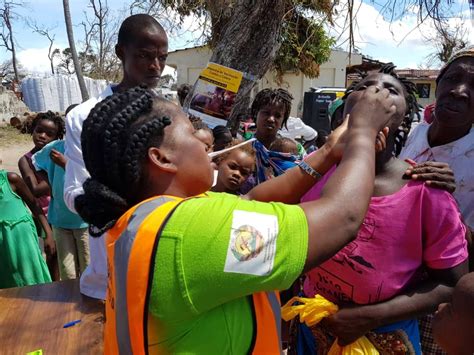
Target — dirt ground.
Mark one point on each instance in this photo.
(13, 145)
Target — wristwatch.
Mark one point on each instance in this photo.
(309, 170)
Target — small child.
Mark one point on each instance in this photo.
(69, 230)
(285, 145)
(203, 133)
(45, 128)
(453, 325)
(21, 261)
(234, 167)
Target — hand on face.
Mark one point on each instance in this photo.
(338, 139)
(373, 109)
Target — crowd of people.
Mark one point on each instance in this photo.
(187, 231)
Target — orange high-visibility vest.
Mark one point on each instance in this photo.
(131, 248)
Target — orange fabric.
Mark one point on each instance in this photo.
(267, 340)
(138, 273)
(110, 331)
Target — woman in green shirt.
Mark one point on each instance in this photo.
(136, 147)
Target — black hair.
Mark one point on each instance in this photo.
(134, 24)
(50, 116)
(282, 143)
(413, 108)
(222, 137)
(199, 124)
(183, 91)
(246, 148)
(115, 138)
(269, 96)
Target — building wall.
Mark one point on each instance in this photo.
(190, 62)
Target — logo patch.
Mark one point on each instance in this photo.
(252, 243)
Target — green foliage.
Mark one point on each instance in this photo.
(304, 47)
(304, 43)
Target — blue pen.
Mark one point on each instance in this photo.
(70, 324)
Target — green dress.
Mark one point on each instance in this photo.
(21, 262)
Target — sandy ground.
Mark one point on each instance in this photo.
(9, 155)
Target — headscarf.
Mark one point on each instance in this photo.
(462, 53)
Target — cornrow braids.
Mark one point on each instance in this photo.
(413, 108)
(115, 138)
(138, 104)
(139, 143)
(50, 116)
(270, 96)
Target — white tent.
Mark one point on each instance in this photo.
(56, 92)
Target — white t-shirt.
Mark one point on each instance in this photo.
(94, 278)
(458, 154)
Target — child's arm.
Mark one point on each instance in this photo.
(37, 188)
(58, 158)
(20, 188)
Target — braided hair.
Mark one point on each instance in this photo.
(50, 116)
(115, 139)
(413, 108)
(272, 96)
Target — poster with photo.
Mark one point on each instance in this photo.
(214, 94)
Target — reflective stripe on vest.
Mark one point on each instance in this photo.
(131, 245)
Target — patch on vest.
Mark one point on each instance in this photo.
(252, 244)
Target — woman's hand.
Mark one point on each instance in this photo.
(349, 324)
(338, 138)
(336, 142)
(435, 174)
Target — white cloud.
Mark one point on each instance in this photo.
(35, 60)
(401, 41)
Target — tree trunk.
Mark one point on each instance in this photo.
(72, 46)
(15, 68)
(8, 23)
(248, 41)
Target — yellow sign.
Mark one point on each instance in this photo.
(223, 77)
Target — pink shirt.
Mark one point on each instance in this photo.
(415, 226)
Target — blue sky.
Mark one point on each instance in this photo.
(398, 41)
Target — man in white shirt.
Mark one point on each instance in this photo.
(449, 138)
(142, 47)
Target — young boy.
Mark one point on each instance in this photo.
(142, 47)
(69, 230)
(453, 325)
